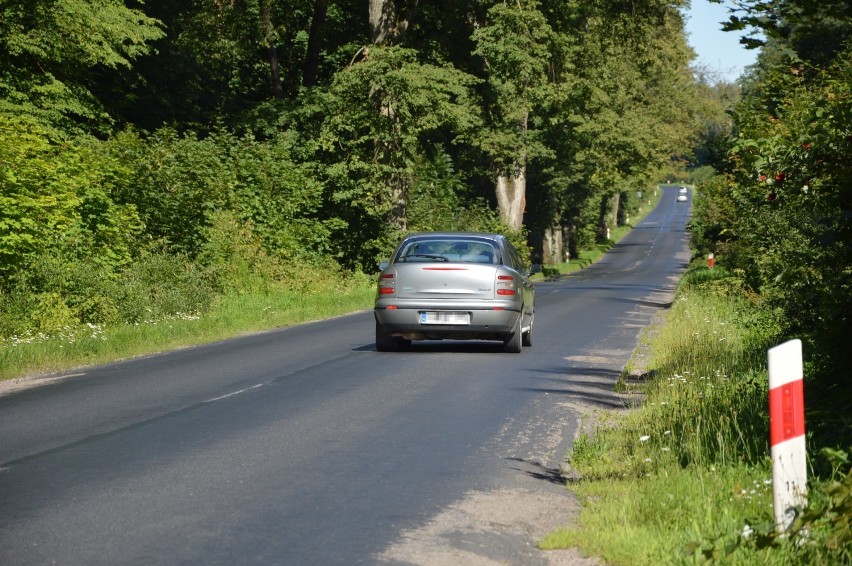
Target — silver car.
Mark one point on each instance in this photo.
(455, 285)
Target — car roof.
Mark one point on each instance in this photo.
(431, 235)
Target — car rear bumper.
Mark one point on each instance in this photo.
(491, 323)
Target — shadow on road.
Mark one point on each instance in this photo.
(539, 471)
(444, 347)
(596, 390)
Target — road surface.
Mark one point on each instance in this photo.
(306, 446)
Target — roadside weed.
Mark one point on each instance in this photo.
(684, 476)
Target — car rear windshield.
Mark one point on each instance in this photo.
(448, 249)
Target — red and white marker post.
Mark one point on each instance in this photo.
(787, 432)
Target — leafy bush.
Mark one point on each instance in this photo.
(701, 175)
(175, 182)
(181, 184)
(233, 257)
(54, 296)
(159, 286)
(780, 215)
(57, 199)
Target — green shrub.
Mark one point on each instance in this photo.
(50, 315)
(159, 285)
(234, 258)
(56, 199)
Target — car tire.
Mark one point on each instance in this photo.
(512, 344)
(526, 338)
(384, 341)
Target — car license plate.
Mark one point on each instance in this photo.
(444, 317)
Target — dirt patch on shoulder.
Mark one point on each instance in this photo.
(8, 386)
(489, 528)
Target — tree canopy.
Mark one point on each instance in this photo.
(320, 130)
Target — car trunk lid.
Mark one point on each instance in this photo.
(442, 280)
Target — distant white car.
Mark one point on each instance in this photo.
(681, 198)
(683, 190)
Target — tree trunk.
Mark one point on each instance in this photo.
(621, 214)
(512, 188)
(609, 215)
(511, 197)
(277, 89)
(388, 22)
(387, 27)
(399, 198)
(271, 55)
(382, 16)
(315, 35)
(552, 246)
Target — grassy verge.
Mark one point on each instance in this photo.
(683, 477)
(231, 316)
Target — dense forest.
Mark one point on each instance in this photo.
(157, 155)
(222, 144)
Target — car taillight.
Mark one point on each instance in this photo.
(506, 285)
(386, 284)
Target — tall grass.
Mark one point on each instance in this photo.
(707, 401)
(653, 519)
(684, 476)
(703, 400)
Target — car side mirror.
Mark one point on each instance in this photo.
(383, 266)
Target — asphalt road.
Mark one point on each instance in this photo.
(306, 446)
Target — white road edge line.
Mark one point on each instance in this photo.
(214, 399)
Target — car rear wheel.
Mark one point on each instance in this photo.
(526, 339)
(512, 343)
(384, 341)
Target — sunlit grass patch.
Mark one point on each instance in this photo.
(657, 519)
(232, 315)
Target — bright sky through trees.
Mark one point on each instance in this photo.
(719, 51)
